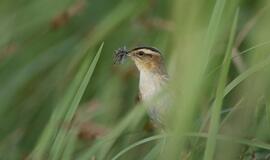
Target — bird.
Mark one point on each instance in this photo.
(153, 78)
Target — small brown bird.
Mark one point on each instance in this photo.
(153, 78)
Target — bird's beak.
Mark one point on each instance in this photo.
(130, 54)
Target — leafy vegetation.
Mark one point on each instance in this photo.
(62, 97)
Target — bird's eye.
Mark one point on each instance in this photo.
(141, 53)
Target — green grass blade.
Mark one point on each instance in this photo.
(25, 74)
(58, 144)
(233, 140)
(120, 13)
(200, 135)
(70, 145)
(268, 113)
(213, 28)
(59, 113)
(256, 68)
(107, 142)
(137, 144)
(154, 153)
(253, 48)
(216, 109)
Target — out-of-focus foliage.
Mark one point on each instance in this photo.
(216, 52)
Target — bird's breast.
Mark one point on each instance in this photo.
(150, 84)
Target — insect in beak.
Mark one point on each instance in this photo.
(120, 55)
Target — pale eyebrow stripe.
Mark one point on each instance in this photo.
(149, 48)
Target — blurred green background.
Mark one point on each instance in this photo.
(61, 96)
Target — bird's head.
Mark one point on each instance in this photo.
(147, 59)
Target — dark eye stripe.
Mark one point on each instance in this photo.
(141, 53)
